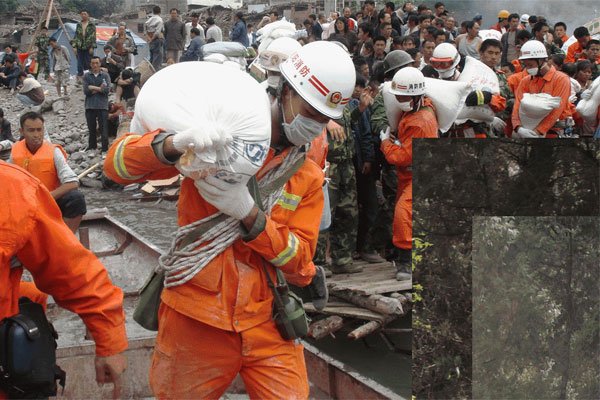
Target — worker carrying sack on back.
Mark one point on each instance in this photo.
(217, 302)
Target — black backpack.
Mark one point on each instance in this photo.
(28, 367)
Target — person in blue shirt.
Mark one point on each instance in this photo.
(239, 32)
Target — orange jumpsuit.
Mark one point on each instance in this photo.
(33, 233)
(219, 323)
(574, 49)
(515, 79)
(421, 124)
(554, 83)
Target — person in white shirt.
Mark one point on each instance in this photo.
(195, 23)
(213, 31)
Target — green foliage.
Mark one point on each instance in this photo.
(8, 6)
(536, 308)
(454, 184)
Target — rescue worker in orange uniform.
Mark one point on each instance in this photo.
(33, 234)
(417, 121)
(542, 79)
(47, 162)
(219, 323)
(576, 50)
(445, 60)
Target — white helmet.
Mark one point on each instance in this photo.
(408, 81)
(444, 59)
(525, 18)
(277, 52)
(533, 49)
(323, 74)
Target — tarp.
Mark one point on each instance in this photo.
(103, 35)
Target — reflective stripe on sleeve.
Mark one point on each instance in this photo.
(119, 160)
(289, 201)
(288, 253)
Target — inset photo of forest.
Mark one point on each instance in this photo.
(536, 307)
(455, 181)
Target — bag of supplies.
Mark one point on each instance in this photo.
(211, 101)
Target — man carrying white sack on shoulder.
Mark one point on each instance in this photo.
(542, 78)
(219, 323)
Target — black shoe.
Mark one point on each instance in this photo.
(317, 288)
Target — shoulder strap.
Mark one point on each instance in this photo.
(256, 194)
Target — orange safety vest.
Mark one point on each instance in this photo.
(40, 164)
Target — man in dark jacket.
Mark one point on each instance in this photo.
(96, 85)
(239, 33)
(174, 36)
(194, 50)
(9, 74)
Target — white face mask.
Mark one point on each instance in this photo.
(405, 106)
(302, 130)
(532, 71)
(273, 81)
(449, 73)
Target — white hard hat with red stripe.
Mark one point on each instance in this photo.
(533, 49)
(409, 81)
(323, 74)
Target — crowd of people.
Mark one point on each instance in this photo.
(326, 86)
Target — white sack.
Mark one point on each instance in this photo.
(535, 107)
(392, 107)
(237, 105)
(479, 77)
(272, 31)
(448, 98)
(230, 49)
(588, 108)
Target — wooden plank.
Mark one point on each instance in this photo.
(369, 270)
(165, 182)
(373, 278)
(348, 311)
(381, 287)
(148, 188)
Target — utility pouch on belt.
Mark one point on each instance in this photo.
(288, 311)
(146, 311)
(28, 367)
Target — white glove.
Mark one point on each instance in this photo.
(384, 135)
(586, 94)
(525, 133)
(232, 199)
(498, 125)
(199, 141)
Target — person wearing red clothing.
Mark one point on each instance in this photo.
(502, 24)
(33, 235)
(417, 121)
(542, 78)
(576, 50)
(219, 323)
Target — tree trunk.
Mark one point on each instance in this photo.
(568, 308)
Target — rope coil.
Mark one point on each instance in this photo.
(182, 264)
